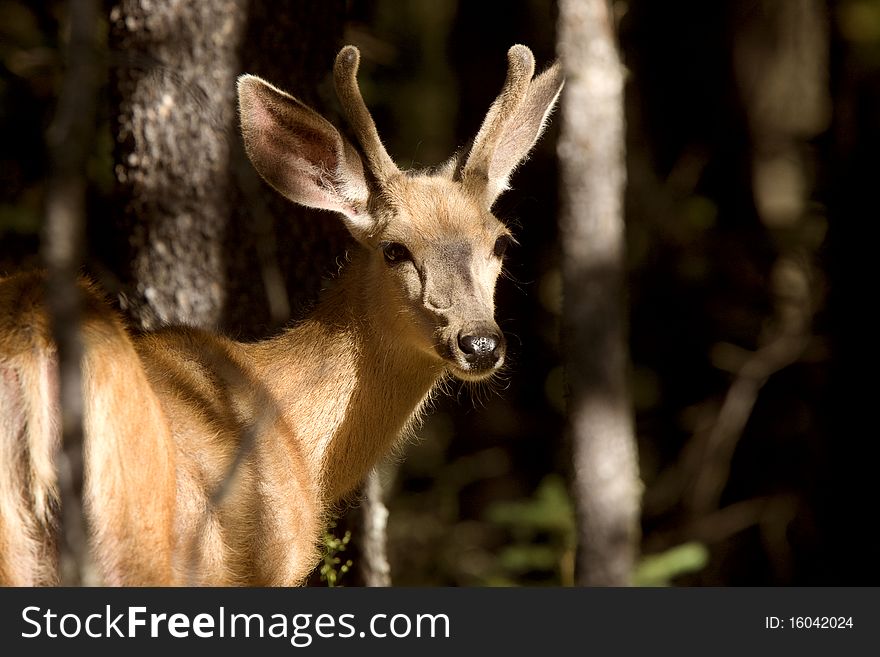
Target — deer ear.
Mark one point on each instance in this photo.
(301, 154)
(513, 125)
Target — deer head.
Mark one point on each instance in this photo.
(433, 247)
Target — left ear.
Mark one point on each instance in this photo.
(513, 125)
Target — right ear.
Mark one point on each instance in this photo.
(301, 154)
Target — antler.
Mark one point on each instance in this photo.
(520, 68)
(345, 71)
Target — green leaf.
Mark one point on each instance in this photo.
(660, 569)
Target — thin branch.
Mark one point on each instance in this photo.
(720, 444)
(69, 139)
(700, 475)
(771, 513)
(270, 267)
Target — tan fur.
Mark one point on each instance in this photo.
(213, 462)
(29, 431)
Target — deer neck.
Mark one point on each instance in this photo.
(345, 383)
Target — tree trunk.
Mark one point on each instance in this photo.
(372, 533)
(204, 232)
(591, 153)
(176, 89)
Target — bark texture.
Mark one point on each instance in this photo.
(591, 153)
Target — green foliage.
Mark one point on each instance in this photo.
(543, 531)
(545, 538)
(332, 567)
(660, 569)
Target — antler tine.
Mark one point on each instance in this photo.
(345, 77)
(520, 69)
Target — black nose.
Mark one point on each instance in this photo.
(482, 349)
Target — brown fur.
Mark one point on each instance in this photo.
(214, 462)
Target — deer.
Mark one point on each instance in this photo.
(215, 462)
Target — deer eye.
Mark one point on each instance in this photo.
(395, 252)
(501, 245)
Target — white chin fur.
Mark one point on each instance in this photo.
(465, 374)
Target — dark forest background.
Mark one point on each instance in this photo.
(753, 133)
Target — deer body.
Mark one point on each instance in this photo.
(210, 461)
